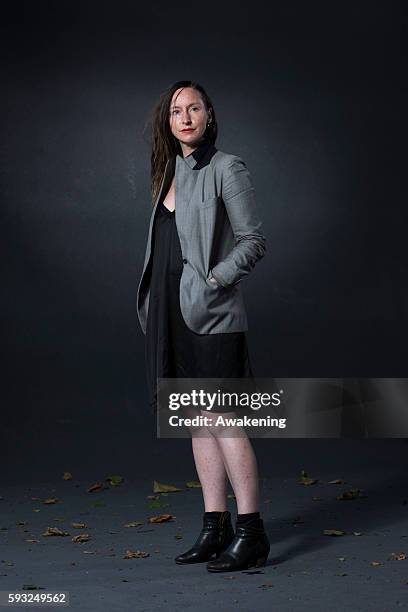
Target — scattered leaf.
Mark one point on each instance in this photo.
(114, 480)
(157, 504)
(55, 531)
(333, 532)
(375, 563)
(133, 524)
(159, 487)
(132, 554)
(352, 494)
(96, 488)
(51, 500)
(83, 537)
(67, 476)
(32, 541)
(161, 518)
(78, 525)
(336, 481)
(193, 484)
(398, 556)
(305, 480)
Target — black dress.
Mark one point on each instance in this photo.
(172, 348)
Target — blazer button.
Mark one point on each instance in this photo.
(184, 261)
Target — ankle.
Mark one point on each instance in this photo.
(214, 513)
(253, 518)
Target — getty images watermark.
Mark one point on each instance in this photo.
(283, 407)
(204, 400)
(216, 406)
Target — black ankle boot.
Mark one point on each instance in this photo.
(249, 548)
(216, 535)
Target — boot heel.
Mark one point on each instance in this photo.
(249, 548)
(261, 561)
(213, 539)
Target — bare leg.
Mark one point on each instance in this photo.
(211, 472)
(241, 465)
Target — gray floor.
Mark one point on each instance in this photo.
(305, 570)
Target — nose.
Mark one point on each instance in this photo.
(186, 118)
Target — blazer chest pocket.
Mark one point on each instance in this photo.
(209, 202)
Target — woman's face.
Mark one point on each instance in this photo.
(188, 116)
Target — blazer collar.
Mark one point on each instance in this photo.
(201, 155)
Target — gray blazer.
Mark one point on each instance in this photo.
(220, 236)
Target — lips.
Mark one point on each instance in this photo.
(188, 130)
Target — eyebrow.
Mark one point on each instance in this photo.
(192, 104)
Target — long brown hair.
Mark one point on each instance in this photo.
(164, 145)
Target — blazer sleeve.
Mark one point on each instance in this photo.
(238, 195)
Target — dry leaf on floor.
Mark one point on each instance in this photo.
(114, 480)
(51, 500)
(96, 487)
(83, 537)
(55, 531)
(159, 487)
(161, 518)
(398, 556)
(133, 554)
(193, 484)
(305, 480)
(352, 494)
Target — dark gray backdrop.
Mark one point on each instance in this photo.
(308, 94)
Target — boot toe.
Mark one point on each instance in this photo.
(188, 557)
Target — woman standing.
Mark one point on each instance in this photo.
(204, 238)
